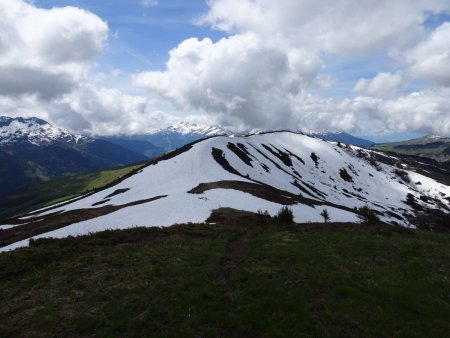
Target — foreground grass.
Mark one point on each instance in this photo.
(57, 190)
(231, 280)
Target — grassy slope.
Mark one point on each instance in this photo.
(432, 151)
(231, 280)
(58, 190)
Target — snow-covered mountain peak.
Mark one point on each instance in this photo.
(35, 131)
(189, 128)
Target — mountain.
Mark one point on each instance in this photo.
(258, 172)
(159, 141)
(431, 146)
(136, 143)
(342, 137)
(34, 131)
(33, 151)
(180, 134)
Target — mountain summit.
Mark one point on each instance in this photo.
(35, 131)
(33, 151)
(258, 172)
(188, 128)
(180, 134)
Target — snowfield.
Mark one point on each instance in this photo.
(335, 178)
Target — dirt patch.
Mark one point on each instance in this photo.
(118, 192)
(259, 190)
(219, 157)
(345, 175)
(100, 202)
(240, 152)
(281, 155)
(265, 192)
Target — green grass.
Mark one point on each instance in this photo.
(58, 190)
(238, 279)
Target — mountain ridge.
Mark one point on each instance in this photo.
(258, 172)
(342, 137)
(33, 151)
(35, 131)
(161, 140)
(430, 146)
(186, 128)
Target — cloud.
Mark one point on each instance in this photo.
(425, 111)
(93, 109)
(263, 73)
(104, 110)
(26, 80)
(46, 51)
(344, 27)
(240, 76)
(382, 85)
(430, 59)
(269, 71)
(149, 3)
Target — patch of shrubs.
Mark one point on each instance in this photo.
(264, 217)
(345, 175)
(284, 216)
(315, 158)
(367, 215)
(325, 215)
(403, 175)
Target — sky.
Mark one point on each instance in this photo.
(375, 68)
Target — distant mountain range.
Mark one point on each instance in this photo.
(430, 146)
(342, 137)
(158, 141)
(258, 172)
(182, 133)
(136, 143)
(32, 151)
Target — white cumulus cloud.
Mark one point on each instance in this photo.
(382, 85)
(46, 51)
(149, 3)
(265, 71)
(430, 59)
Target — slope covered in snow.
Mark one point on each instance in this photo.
(258, 172)
(34, 131)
